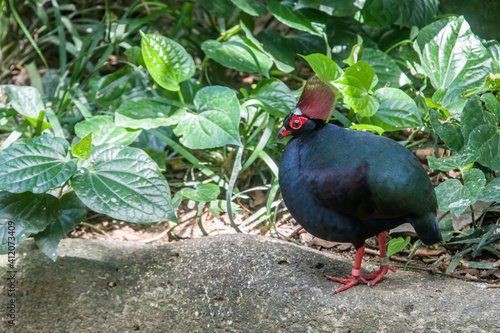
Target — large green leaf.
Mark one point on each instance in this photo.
(73, 212)
(490, 192)
(35, 165)
(239, 54)
(449, 130)
(418, 12)
(454, 162)
(278, 48)
(217, 122)
(387, 70)
(251, 7)
(104, 130)
(492, 104)
(331, 7)
(24, 213)
(380, 13)
(474, 115)
(277, 98)
(326, 69)
(146, 114)
(167, 61)
(455, 197)
(354, 84)
(454, 59)
(314, 22)
(486, 139)
(24, 99)
(124, 183)
(396, 111)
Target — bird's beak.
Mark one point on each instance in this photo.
(283, 133)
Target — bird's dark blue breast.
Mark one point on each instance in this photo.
(345, 185)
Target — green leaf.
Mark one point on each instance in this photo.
(26, 100)
(447, 230)
(490, 192)
(380, 13)
(492, 104)
(331, 7)
(202, 192)
(35, 165)
(239, 54)
(277, 98)
(449, 130)
(418, 12)
(371, 128)
(308, 20)
(217, 122)
(354, 84)
(83, 147)
(219, 8)
(356, 52)
(397, 244)
(454, 162)
(396, 111)
(326, 69)
(167, 61)
(253, 8)
(486, 139)
(73, 212)
(474, 180)
(474, 115)
(455, 197)
(104, 130)
(146, 114)
(274, 46)
(454, 59)
(124, 183)
(387, 70)
(24, 213)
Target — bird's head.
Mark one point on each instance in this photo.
(314, 107)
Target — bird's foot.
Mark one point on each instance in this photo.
(351, 280)
(376, 276)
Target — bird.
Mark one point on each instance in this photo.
(347, 185)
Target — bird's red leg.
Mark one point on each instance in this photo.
(384, 262)
(353, 279)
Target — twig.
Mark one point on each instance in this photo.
(96, 228)
(155, 238)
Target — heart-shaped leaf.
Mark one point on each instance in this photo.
(354, 84)
(35, 165)
(24, 213)
(418, 12)
(73, 212)
(387, 70)
(454, 59)
(124, 183)
(397, 244)
(380, 13)
(217, 122)
(326, 69)
(104, 130)
(167, 61)
(253, 8)
(146, 114)
(83, 147)
(238, 53)
(277, 98)
(486, 139)
(396, 111)
(313, 22)
(26, 100)
(490, 192)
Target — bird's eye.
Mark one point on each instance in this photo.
(297, 122)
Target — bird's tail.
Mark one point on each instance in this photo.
(427, 228)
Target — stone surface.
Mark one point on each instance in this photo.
(229, 283)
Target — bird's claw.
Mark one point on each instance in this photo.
(376, 276)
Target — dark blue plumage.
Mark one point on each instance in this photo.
(346, 185)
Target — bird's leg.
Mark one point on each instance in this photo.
(355, 276)
(384, 262)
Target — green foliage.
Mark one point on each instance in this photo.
(218, 92)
